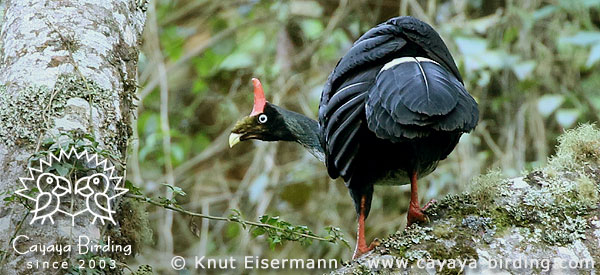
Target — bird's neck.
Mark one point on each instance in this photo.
(305, 131)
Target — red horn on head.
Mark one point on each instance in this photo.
(259, 98)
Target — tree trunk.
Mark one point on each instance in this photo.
(65, 67)
(546, 222)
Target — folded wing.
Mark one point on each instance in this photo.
(414, 97)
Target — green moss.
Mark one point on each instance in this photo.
(501, 219)
(401, 241)
(576, 147)
(144, 270)
(487, 187)
(587, 190)
(418, 242)
(442, 232)
(554, 203)
(456, 206)
(551, 205)
(461, 250)
(361, 270)
(133, 226)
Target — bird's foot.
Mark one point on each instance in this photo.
(427, 205)
(415, 213)
(363, 249)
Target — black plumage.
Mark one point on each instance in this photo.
(393, 107)
(419, 99)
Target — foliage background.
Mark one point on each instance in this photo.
(531, 65)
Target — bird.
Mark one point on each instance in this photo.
(391, 109)
(94, 190)
(47, 203)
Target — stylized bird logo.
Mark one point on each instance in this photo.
(52, 193)
(94, 189)
(51, 189)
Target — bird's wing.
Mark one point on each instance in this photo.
(45, 205)
(342, 122)
(427, 39)
(342, 115)
(102, 205)
(413, 97)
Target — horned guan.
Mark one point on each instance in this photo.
(393, 107)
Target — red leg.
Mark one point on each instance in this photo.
(415, 212)
(361, 244)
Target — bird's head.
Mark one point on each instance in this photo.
(265, 122)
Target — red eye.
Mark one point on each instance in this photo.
(262, 118)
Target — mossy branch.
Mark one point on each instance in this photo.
(549, 215)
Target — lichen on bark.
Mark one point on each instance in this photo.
(550, 214)
(65, 67)
(28, 115)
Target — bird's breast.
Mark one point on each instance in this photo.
(400, 176)
(392, 178)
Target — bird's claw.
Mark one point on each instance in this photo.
(364, 250)
(375, 243)
(429, 204)
(415, 213)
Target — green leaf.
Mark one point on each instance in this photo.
(547, 104)
(199, 86)
(132, 188)
(175, 189)
(510, 34)
(238, 60)
(208, 63)
(177, 153)
(582, 38)
(172, 42)
(61, 169)
(471, 45)
(594, 56)
(567, 117)
(254, 44)
(166, 201)
(48, 141)
(312, 28)
(544, 12)
(201, 141)
(523, 69)
(258, 231)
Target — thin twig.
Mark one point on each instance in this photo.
(218, 218)
(17, 229)
(164, 120)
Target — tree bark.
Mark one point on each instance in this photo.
(65, 66)
(546, 222)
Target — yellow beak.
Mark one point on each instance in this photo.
(234, 139)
